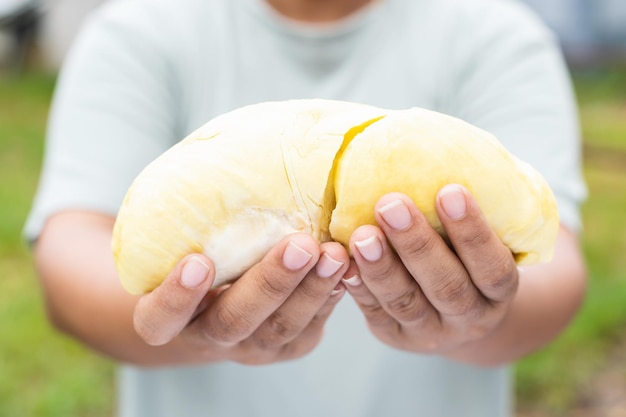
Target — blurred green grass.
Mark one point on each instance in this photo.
(41, 372)
(45, 374)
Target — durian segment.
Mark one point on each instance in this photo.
(233, 188)
(417, 152)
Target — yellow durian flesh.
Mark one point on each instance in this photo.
(233, 188)
(417, 152)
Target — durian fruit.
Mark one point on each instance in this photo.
(233, 188)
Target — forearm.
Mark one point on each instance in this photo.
(84, 297)
(547, 299)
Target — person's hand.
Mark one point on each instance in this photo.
(276, 311)
(417, 292)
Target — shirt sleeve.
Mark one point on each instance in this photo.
(112, 113)
(511, 80)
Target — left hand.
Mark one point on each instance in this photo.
(421, 295)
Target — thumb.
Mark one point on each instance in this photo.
(163, 313)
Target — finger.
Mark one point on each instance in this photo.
(241, 309)
(161, 314)
(488, 261)
(311, 335)
(305, 303)
(436, 268)
(377, 318)
(394, 290)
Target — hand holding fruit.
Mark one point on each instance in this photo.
(275, 312)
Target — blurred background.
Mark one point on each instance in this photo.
(582, 374)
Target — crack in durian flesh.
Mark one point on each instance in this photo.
(330, 198)
(292, 182)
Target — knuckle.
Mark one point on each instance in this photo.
(311, 291)
(279, 331)
(469, 310)
(376, 315)
(421, 245)
(226, 326)
(170, 307)
(501, 282)
(477, 237)
(381, 272)
(407, 308)
(452, 290)
(274, 287)
(460, 299)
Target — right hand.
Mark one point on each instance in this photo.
(276, 311)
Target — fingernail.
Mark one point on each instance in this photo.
(370, 248)
(396, 214)
(194, 273)
(353, 281)
(327, 266)
(452, 199)
(295, 257)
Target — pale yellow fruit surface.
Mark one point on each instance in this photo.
(233, 188)
(417, 152)
(236, 186)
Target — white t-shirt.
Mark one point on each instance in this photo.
(144, 73)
